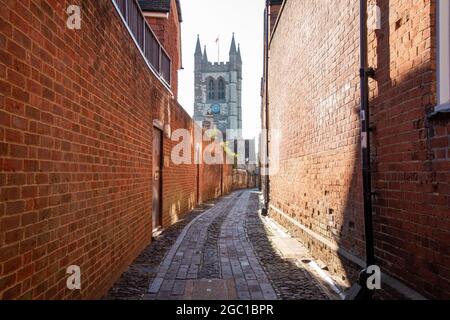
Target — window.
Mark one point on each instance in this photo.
(221, 90)
(211, 90)
(443, 63)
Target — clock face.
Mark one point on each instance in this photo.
(215, 108)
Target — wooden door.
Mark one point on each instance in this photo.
(157, 178)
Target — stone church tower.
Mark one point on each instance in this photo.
(218, 90)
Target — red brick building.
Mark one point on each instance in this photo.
(86, 123)
(311, 95)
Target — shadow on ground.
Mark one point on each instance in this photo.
(290, 281)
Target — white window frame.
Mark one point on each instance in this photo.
(443, 55)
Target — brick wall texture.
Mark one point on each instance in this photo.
(314, 102)
(241, 179)
(76, 126)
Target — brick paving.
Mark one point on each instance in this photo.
(290, 280)
(223, 253)
(133, 283)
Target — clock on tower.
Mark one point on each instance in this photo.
(215, 108)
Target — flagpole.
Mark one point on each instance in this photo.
(218, 50)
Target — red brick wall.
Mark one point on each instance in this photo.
(314, 102)
(215, 179)
(76, 118)
(179, 181)
(227, 179)
(411, 157)
(76, 141)
(168, 33)
(210, 182)
(240, 179)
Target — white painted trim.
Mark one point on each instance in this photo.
(442, 107)
(161, 15)
(443, 45)
(158, 124)
(385, 278)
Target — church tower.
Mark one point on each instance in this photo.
(218, 90)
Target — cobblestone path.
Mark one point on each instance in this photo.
(223, 253)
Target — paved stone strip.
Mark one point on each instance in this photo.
(213, 258)
(210, 265)
(184, 259)
(238, 261)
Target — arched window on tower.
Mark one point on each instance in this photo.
(211, 89)
(221, 90)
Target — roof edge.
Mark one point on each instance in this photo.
(161, 6)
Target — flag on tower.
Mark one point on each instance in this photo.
(218, 49)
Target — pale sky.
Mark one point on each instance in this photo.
(212, 18)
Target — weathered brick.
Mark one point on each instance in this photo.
(77, 142)
(314, 101)
(12, 293)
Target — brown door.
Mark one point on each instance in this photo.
(157, 178)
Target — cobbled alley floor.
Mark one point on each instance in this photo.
(221, 251)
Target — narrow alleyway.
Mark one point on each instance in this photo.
(224, 252)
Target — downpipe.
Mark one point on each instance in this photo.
(265, 210)
(360, 291)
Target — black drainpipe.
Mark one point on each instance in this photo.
(265, 210)
(360, 291)
(365, 73)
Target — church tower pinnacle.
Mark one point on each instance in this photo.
(198, 48)
(205, 55)
(233, 46)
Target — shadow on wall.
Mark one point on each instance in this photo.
(350, 236)
(290, 280)
(317, 193)
(409, 203)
